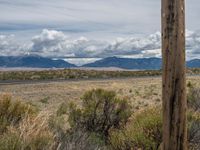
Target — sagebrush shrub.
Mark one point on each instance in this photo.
(101, 111)
(62, 109)
(194, 130)
(143, 132)
(193, 98)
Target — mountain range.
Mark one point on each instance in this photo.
(128, 63)
(34, 61)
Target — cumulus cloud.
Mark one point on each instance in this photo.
(55, 43)
(134, 45)
(48, 40)
(193, 44)
(8, 46)
(52, 43)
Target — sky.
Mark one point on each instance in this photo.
(89, 28)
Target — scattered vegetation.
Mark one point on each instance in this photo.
(194, 130)
(193, 97)
(71, 74)
(102, 121)
(61, 74)
(101, 112)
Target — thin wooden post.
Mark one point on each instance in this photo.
(174, 84)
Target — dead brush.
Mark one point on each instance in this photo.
(12, 112)
(35, 132)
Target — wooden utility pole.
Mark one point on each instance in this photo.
(174, 84)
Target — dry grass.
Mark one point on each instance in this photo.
(21, 129)
(32, 128)
(136, 89)
(142, 92)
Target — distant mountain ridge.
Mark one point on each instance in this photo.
(128, 63)
(195, 63)
(33, 61)
(137, 63)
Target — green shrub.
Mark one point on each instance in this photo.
(194, 130)
(143, 132)
(72, 138)
(62, 109)
(45, 100)
(150, 124)
(100, 112)
(189, 84)
(193, 98)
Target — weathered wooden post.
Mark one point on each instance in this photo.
(174, 84)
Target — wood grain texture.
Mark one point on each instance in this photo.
(174, 84)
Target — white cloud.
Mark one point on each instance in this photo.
(193, 44)
(52, 43)
(56, 44)
(48, 40)
(8, 46)
(134, 45)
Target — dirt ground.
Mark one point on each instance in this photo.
(141, 92)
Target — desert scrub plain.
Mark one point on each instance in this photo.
(103, 114)
(66, 74)
(82, 73)
(142, 92)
